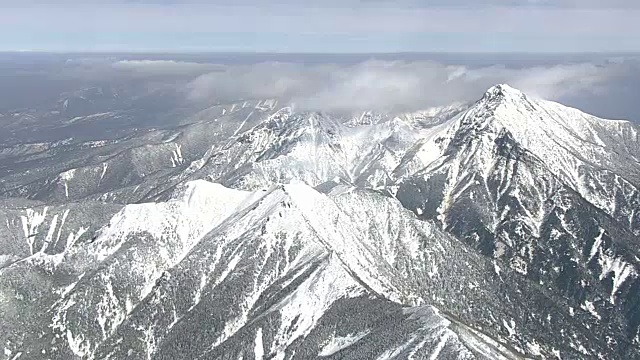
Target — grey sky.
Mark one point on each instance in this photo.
(363, 3)
(322, 26)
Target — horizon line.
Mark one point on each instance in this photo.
(247, 52)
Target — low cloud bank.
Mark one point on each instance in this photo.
(394, 85)
(605, 88)
(164, 67)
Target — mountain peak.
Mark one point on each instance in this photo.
(502, 90)
(503, 94)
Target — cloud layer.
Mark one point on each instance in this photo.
(606, 87)
(393, 85)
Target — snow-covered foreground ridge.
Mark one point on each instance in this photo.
(506, 228)
(306, 251)
(279, 236)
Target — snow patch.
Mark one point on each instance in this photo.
(621, 272)
(596, 245)
(65, 177)
(258, 348)
(242, 124)
(31, 221)
(176, 156)
(339, 343)
(588, 306)
(510, 326)
(104, 170)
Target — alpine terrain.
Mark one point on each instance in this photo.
(507, 228)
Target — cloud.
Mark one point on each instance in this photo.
(163, 67)
(393, 85)
(601, 85)
(111, 68)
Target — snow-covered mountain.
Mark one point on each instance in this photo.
(502, 229)
(546, 190)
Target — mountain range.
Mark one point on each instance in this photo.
(506, 228)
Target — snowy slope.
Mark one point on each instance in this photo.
(183, 257)
(286, 261)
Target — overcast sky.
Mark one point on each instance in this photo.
(322, 26)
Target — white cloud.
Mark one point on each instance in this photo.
(163, 67)
(391, 85)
